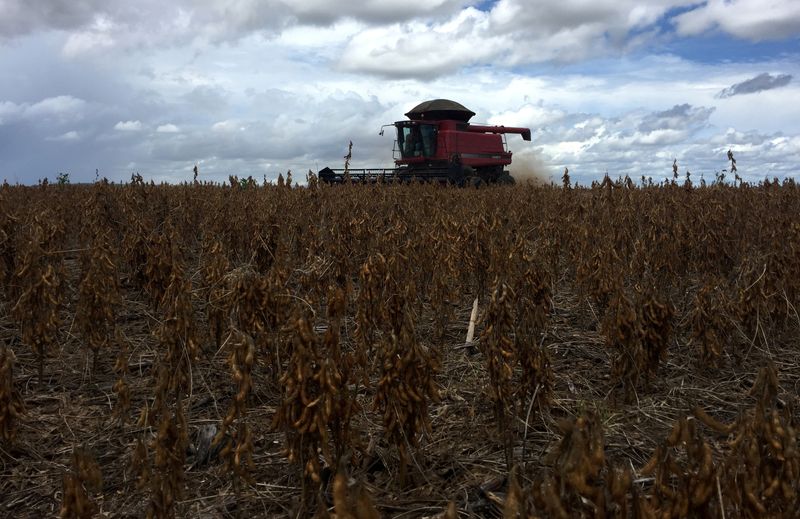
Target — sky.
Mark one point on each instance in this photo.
(108, 88)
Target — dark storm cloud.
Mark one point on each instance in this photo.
(19, 17)
(759, 83)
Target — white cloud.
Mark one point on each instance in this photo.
(529, 115)
(167, 128)
(511, 33)
(750, 19)
(58, 109)
(55, 106)
(97, 38)
(227, 126)
(96, 24)
(400, 39)
(417, 49)
(660, 137)
(8, 111)
(128, 126)
(71, 135)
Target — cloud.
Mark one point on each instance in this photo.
(167, 128)
(71, 135)
(97, 24)
(128, 126)
(398, 39)
(211, 99)
(759, 83)
(528, 116)
(59, 106)
(97, 38)
(511, 33)
(19, 17)
(679, 117)
(227, 126)
(749, 19)
(55, 109)
(324, 12)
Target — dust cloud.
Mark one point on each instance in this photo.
(529, 168)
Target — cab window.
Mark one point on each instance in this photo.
(417, 140)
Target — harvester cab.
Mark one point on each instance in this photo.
(438, 144)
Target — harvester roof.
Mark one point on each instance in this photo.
(438, 109)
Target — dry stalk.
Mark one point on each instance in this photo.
(122, 406)
(238, 452)
(98, 297)
(497, 344)
(11, 404)
(406, 384)
(37, 309)
(84, 475)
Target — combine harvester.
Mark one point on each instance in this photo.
(438, 144)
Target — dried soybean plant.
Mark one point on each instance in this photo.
(578, 480)
(757, 302)
(134, 244)
(655, 315)
(370, 308)
(140, 467)
(534, 301)
(238, 452)
(98, 297)
(341, 374)
(406, 384)
(577, 461)
(596, 270)
(39, 278)
(256, 306)
(213, 271)
(160, 264)
(573, 484)
(444, 273)
(621, 330)
(11, 404)
(84, 475)
(178, 333)
(685, 474)
(352, 503)
(497, 344)
(122, 406)
(709, 322)
(7, 249)
(638, 335)
(306, 408)
(166, 476)
(762, 470)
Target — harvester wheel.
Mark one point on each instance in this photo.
(506, 179)
(474, 182)
(456, 176)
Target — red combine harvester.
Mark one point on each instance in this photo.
(438, 144)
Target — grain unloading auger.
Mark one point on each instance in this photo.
(438, 144)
